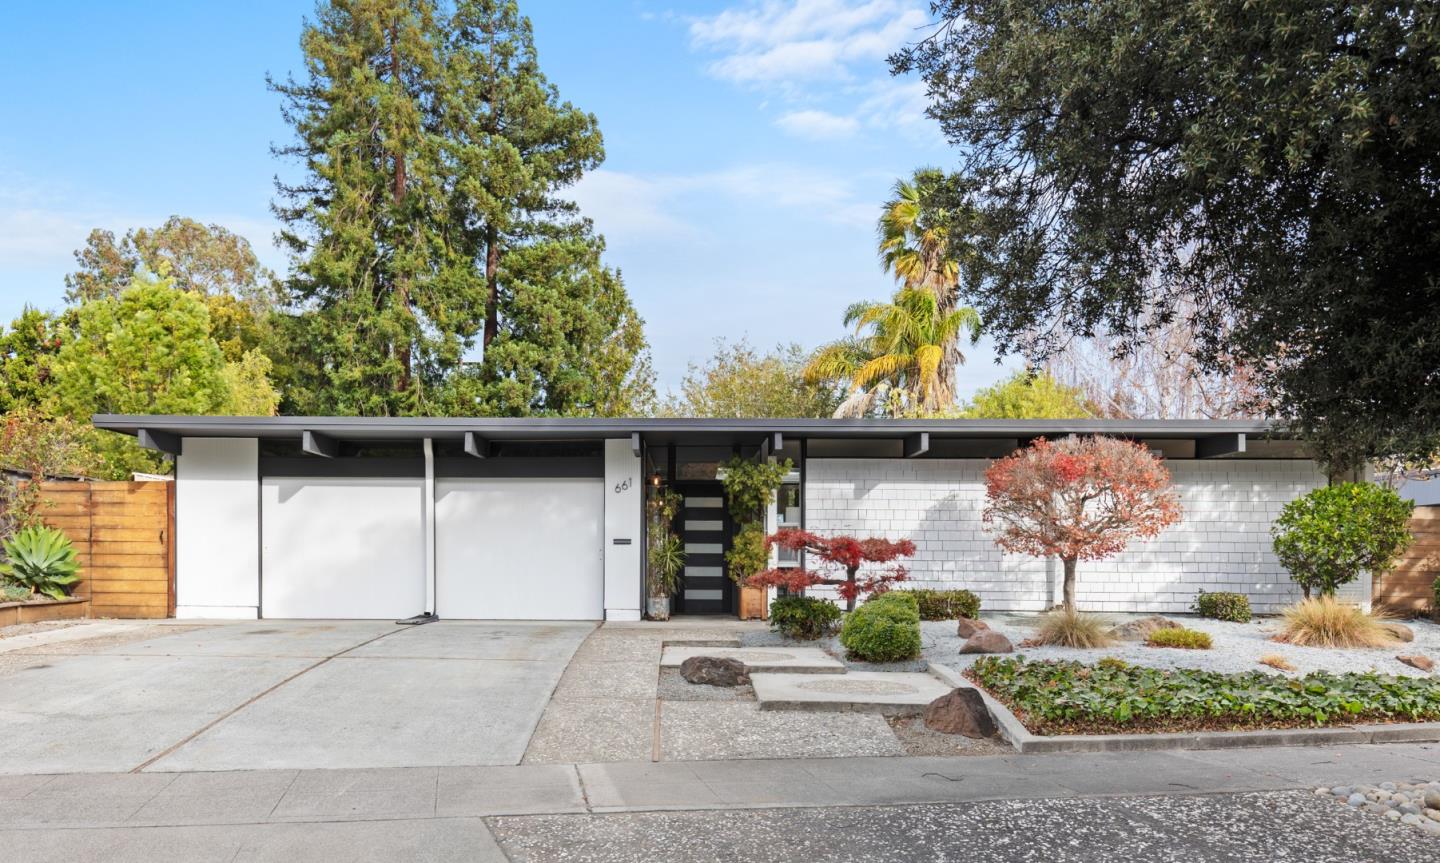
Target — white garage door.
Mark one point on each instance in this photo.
(519, 549)
(342, 548)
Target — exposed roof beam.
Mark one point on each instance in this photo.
(917, 444)
(315, 443)
(158, 440)
(635, 443)
(1216, 446)
(771, 445)
(476, 445)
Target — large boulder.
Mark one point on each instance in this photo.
(967, 627)
(961, 711)
(714, 671)
(987, 641)
(1416, 660)
(1398, 630)
(1140, 628)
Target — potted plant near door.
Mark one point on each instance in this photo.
(665, 556)
(749, 488)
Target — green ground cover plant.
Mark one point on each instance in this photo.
(1189, 639)
(884, 629)
(804, 617)
(1053, 697)
(1234, 607)
(947, 604)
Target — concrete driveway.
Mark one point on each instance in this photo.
(287, 695)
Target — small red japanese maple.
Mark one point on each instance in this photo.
(840, 552)
(1078, 499)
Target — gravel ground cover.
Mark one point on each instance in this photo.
(1414, 804)
(1267, 827)
(674, 687)
(717, 731)
(1237, 647)
(921, 741)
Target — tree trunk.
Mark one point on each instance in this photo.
(492, 286)
(850, 577)
(402, 285)
(1069, 585)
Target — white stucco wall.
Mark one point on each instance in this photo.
(217, 528)
(623, 513)
(1222, 543)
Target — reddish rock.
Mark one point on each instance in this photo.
(987, 641)
(714, 671)
(962, 711)
(968, 627)
(1415, 660)
(1140, 629)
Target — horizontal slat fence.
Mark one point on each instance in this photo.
(1408, 588)
(123, 532)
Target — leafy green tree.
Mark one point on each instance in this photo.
(27, 352)
(570, 343)
(1027, 396)
(429, 218)
(1272, 163)
(739, 382)
(208, 259)
(147, 351)
(900, 345)
(1328, 537)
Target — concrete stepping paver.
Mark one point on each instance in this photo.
(794, 660)
(891, 693)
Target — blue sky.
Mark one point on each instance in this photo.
(749, 146)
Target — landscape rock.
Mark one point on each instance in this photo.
(1397, 629)
(714, 671)
(1416, 660)
(1139, 630)
(961, 711)
(1432, 799)
(967, 627)
(987, 641)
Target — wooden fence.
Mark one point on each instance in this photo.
(1408, 588)
(124, 533)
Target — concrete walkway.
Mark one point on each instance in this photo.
(440, 813)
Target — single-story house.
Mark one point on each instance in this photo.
(543, 518)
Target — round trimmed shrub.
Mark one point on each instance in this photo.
(1327, 537)
(884, 629)
(1234, 607)
(803, 617)
(947, 604)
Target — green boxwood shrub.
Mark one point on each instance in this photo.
(1189, 639)
(1234, 607)
(1071, 697)
(947, 604)
(884, 629)
(803, 617)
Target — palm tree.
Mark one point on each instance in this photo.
(899, 349)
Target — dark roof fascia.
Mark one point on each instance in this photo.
(662, 430)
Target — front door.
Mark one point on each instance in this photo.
(704, 526)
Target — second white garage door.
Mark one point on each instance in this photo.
(519, 549)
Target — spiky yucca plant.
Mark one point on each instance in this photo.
(42, 559)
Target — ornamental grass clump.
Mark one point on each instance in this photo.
(1053, 697)
(1324, 621)
(1187, 639)
(1068, 628)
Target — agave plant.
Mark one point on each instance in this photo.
(42, 559)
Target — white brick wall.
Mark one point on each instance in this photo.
(1222, 542)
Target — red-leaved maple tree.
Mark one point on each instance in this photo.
(841, 553)
(1078, 499)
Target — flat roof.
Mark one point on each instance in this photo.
(560, 428)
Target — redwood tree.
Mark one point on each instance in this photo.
(1078, 499)
(839, 553)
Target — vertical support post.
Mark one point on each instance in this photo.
(170, 546)
(428, 522)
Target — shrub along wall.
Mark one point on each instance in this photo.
(124, 535)
(1408, 587)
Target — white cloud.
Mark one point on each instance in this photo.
(817, 125)
(786, 43)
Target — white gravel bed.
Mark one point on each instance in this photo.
(1237, 647)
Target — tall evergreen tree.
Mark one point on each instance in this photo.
(434, 154)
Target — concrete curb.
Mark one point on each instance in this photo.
(1016, 734)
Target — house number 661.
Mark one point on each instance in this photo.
(622, 486)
